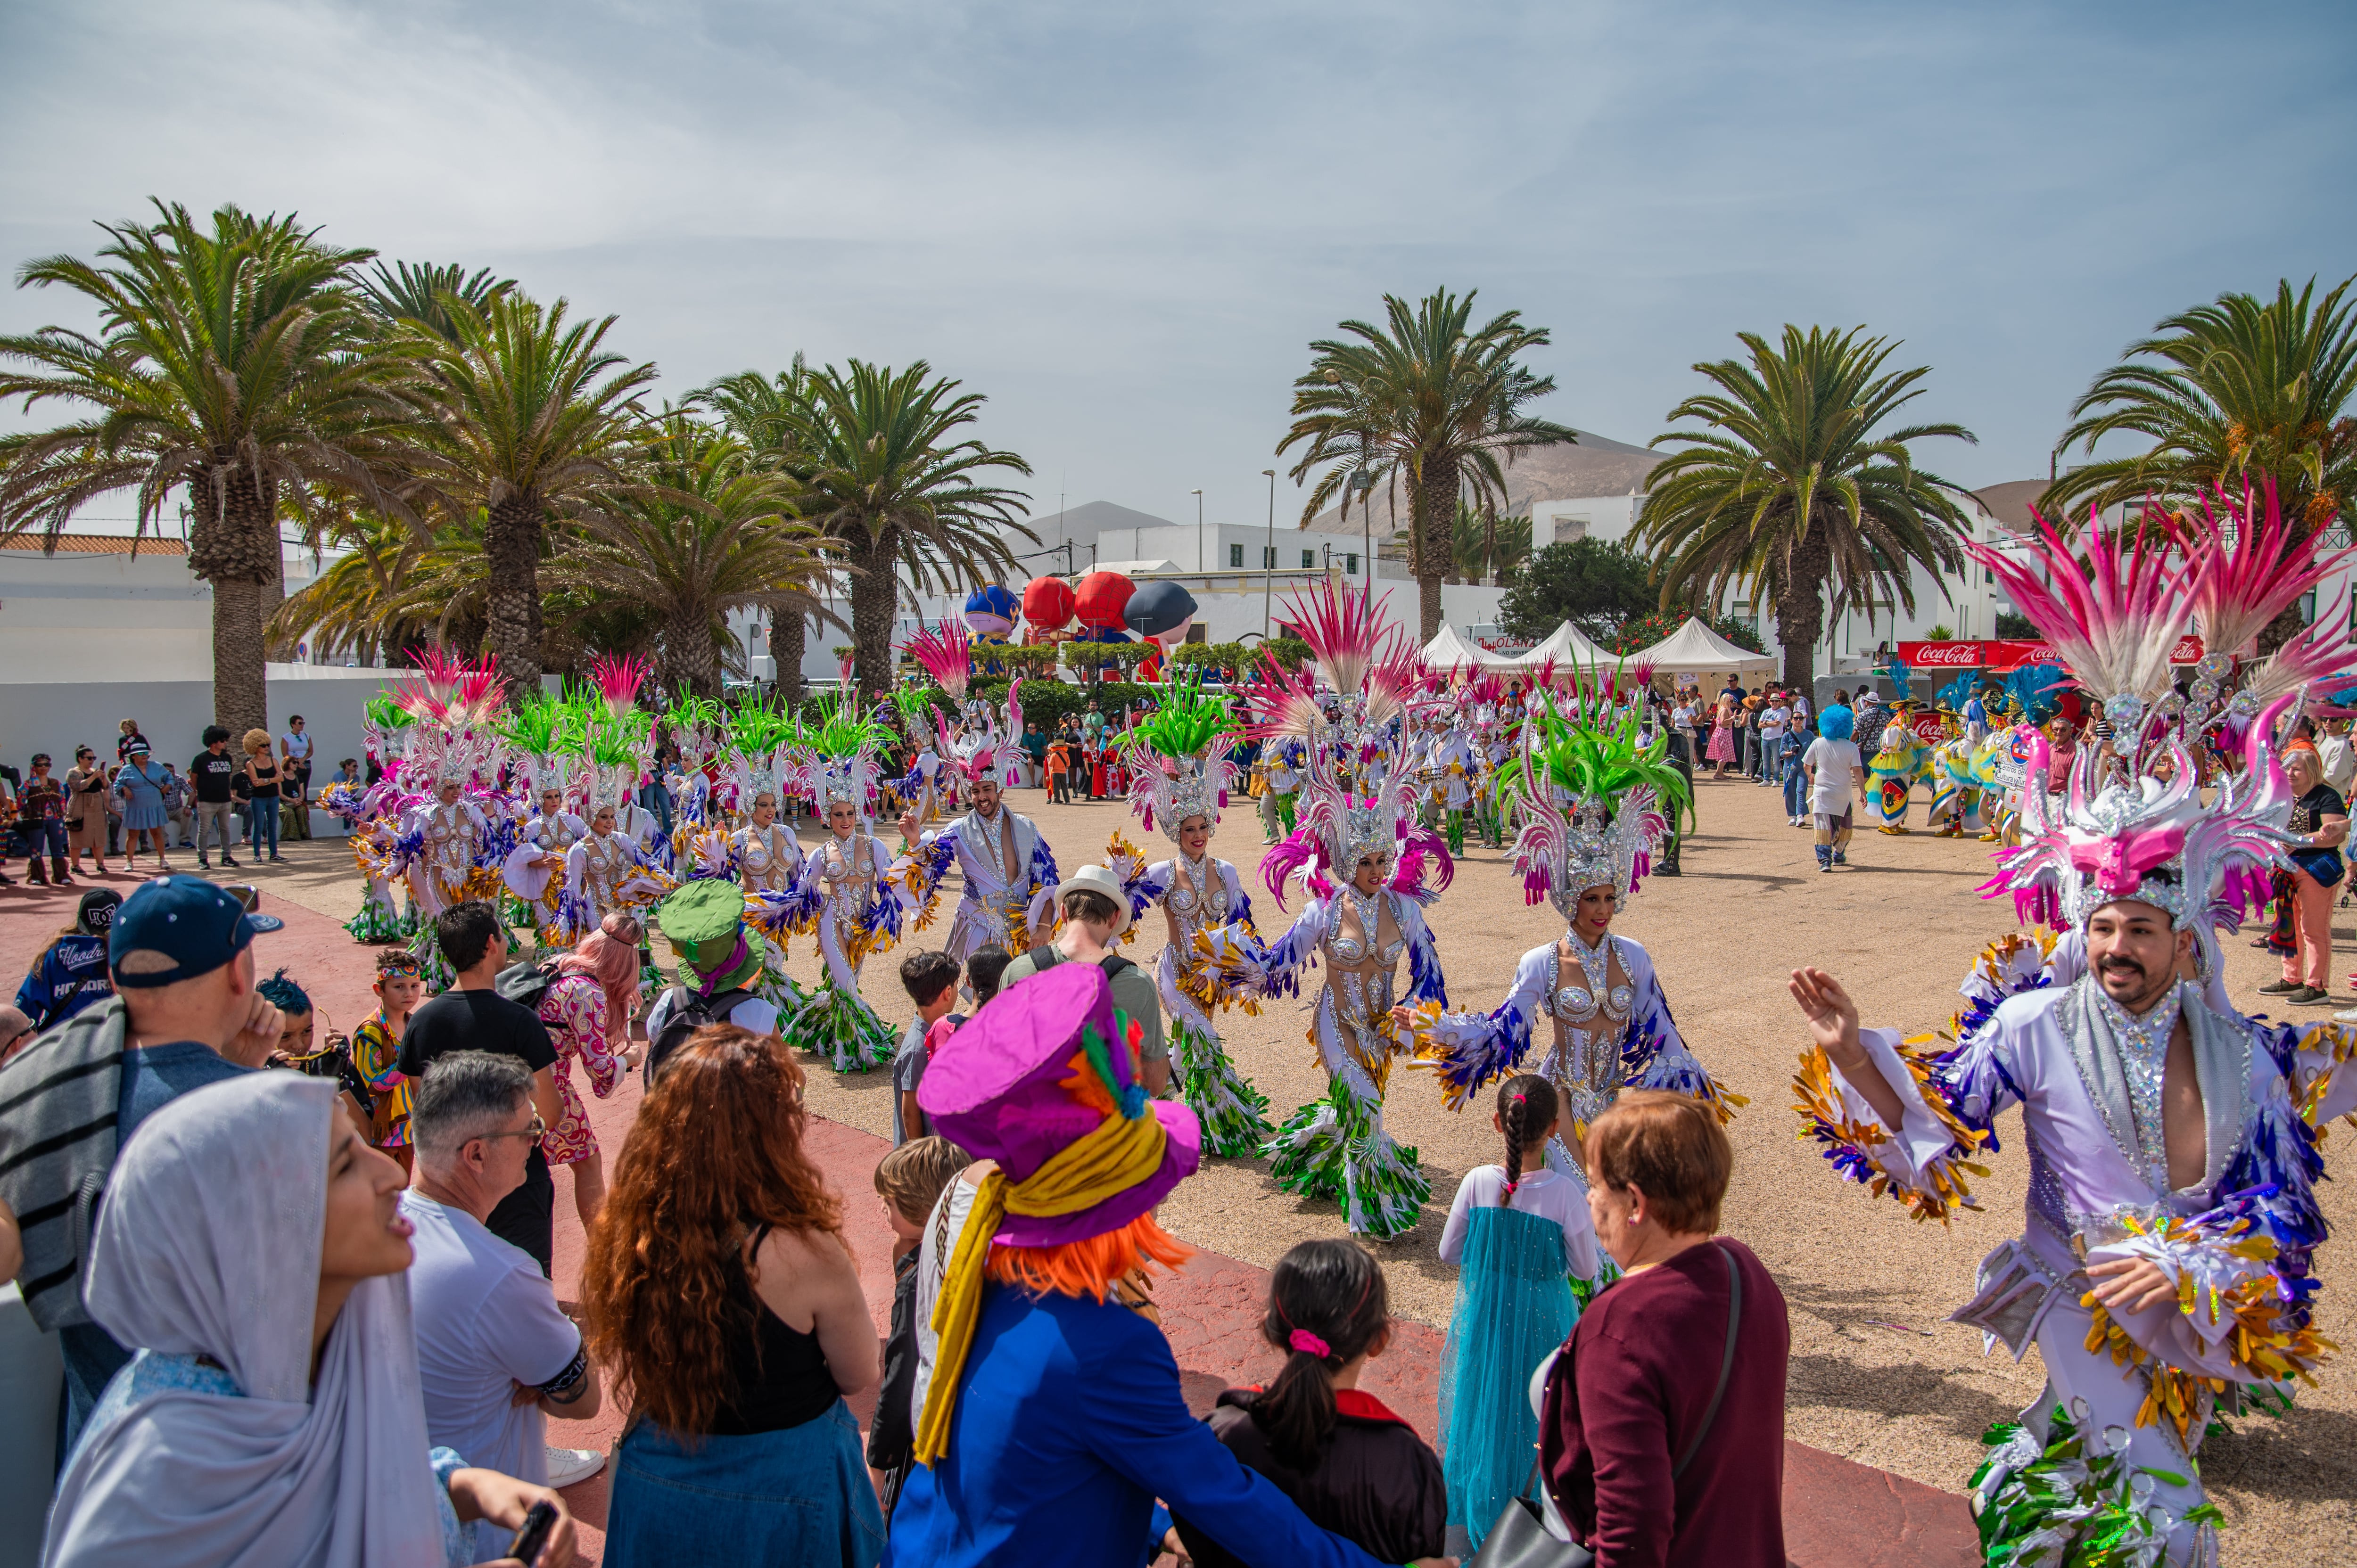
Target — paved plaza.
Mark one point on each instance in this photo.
(1877, 1375)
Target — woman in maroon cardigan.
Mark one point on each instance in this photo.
(1637, 1461)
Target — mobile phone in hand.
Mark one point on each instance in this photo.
(537, 1523)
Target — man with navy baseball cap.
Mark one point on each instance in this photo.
(186, 1013)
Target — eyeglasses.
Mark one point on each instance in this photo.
(533, 1132)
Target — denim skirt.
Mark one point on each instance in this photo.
(797, 1496)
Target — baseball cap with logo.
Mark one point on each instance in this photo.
(177, 928)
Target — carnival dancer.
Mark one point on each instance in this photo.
(852, 891)
(1010, 872)
(2167, 1265)
(1178, 757)
(1610, 1021)
(1280, 761)
(1895, 769)
(1361, 858)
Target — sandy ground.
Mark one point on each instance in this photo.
(1877, 1374)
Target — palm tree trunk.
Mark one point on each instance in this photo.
(788, 642)
(1801, 609)
(1435, 503)
(874, 556)
(691, 657)
(512, 544)
(233, 545)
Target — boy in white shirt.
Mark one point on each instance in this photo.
(1833, 765)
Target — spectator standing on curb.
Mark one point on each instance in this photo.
(139, 784)
(177, 818)
(262, 775)
(210, 772)
(42, 811)
(495, 1354)
(295, 767)
(473, 1016)
(86, 811)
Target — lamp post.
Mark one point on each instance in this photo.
(1268, 560)
(1198, 528)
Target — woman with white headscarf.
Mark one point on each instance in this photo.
(252, 1243)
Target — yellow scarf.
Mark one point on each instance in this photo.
(1119, 1153)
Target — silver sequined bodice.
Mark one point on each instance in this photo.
(1198, 899)
(1591, 1018)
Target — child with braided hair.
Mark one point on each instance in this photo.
(1516, 1232)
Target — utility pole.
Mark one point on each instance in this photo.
(1198, 528)
(1268, 560)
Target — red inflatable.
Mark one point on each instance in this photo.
(1047, 604)
(1102, 598)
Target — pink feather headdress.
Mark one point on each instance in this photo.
(987, 749)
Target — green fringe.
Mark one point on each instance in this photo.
(432, 967)
(841, 1028)
(2067, 1507)
(375, 925)
(1328, 1149)
(1233, 1114)
(1457, 834)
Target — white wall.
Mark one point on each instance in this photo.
(57, 716)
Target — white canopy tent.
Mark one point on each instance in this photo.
(1449, 651)
(1566, 646)
(1694, 649)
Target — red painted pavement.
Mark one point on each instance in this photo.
(1837, 1514)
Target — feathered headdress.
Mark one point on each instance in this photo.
(616, 738)
(1378, 676)
(986, 749)
(543, 735)
(2114, 609)
(756, 759)
(455, 707)
(1179, 752)
(838, 757)
(1622, 793)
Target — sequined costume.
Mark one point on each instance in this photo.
(1359, 805)
(1180, 773)
(2104, 1460)
(1609, 1023)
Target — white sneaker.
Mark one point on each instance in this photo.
(2348, 1017)
(566, 1465)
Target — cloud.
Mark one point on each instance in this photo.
(1124, 223)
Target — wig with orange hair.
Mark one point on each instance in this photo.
(717, 1154)
(1091, 1265)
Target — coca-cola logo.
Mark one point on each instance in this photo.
(1958, 654)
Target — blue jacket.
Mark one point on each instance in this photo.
(63, 981)
(1069, 1423)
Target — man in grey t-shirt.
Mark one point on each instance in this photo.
(1096, 912)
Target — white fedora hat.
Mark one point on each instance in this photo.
(1098, 879)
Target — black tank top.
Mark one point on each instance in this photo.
(780, 1375)
(265, 780)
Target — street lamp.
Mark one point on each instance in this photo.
(1269, 557)
(1198, 528)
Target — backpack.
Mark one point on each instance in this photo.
(690, 1012)
(526, 982)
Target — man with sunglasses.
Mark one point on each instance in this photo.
(496, 1356)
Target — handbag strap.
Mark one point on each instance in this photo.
(1726, 1371)
(1726, 1361)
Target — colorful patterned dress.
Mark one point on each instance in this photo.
(375, 1050)
(581, 1027)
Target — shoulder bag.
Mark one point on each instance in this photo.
(1520, 1537)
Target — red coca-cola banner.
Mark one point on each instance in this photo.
(1998, 655)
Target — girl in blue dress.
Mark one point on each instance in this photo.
(1517, 1233)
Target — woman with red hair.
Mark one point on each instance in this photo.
(588, 1008)
(725, 1305)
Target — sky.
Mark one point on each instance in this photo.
(1124, 225)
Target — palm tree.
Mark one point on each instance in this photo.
(394, 588)
(753, 407)
(1427, 402)
(410, 293)
(882, 475)
(232, 363)
(709, 532)
(1484, 546)
(1792, 490)
(526, 418)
